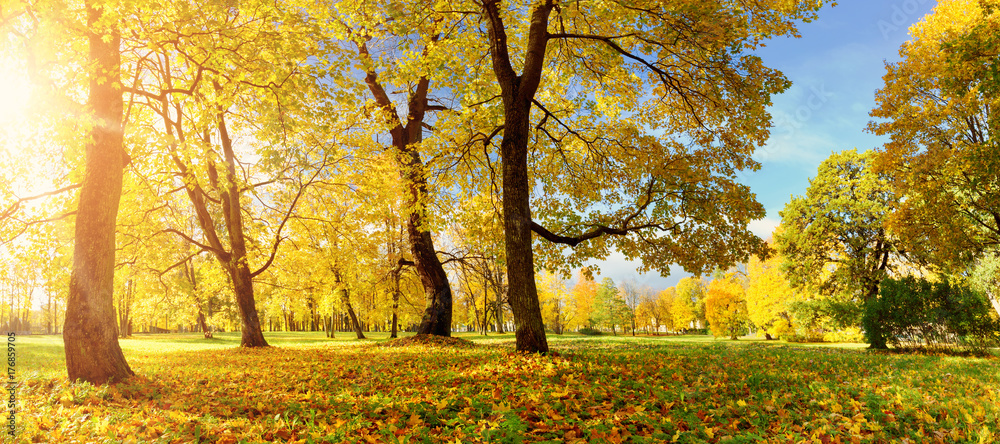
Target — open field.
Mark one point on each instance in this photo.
(310, 389)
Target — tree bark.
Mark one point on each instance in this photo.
(90, 333)
(205, 330)
(517, 92)
(239, 269)
(395, 301)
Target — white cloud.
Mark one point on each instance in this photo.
(763, 227)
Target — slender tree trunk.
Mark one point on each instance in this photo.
(395, 301)
(345, 299)
(498, 314)
(90, 333)
(205, 330)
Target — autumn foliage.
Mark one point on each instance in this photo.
(312, 390)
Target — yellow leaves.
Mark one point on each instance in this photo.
(560, 394)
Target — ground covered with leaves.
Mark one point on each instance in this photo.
(312, 390)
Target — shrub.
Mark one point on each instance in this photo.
(590, 331)
(916, 313)
(850, 334)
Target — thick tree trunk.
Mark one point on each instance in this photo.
(90, 333)
(522, 293)
(437, 315)
(406, 136)
(517, 92)
(250, 329)
(238, 267)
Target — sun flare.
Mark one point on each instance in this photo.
(15, 93)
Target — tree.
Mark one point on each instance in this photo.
(631, 296)
(90, 333)
(689, 306)
(438, 43)
(584, 293)
(725, 306)
(939, 108)
(683, 70)
(985, 278)
(556, 303)
(833, 239)
(213, 78)
(654, 309)
(768, 293)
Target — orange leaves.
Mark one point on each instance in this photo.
(625, 390)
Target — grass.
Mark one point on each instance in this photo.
(310, 389)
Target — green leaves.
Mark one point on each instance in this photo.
(833, 238)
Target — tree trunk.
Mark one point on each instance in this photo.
(517, 92)
(522, 293)
(251, 333)
(395, 302)
(345, 299)
(205, 330)
(498, 313)
(90, 333)
(406, 137)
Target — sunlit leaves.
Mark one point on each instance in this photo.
(726, 306)
(939, 106)
(832, 238)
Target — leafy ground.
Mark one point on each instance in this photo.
(309, 389)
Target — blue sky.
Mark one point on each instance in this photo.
(835, 69)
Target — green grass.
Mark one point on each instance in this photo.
(592, 389)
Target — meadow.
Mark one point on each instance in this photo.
(687, 389)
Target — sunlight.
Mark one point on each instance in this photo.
(15, 92)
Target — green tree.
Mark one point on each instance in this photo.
(833, 239)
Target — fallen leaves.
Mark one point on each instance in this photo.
(594, 391)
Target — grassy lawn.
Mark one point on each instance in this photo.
(689, 389)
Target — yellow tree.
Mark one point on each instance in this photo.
(768, 293)
(89, 34)
(663, 308)
(584, 293)
(557, 307)
(940, 108)
(688, 307)
(644, 111)
(725, 306)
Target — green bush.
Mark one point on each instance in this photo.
(916, 313)
(590, 331)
